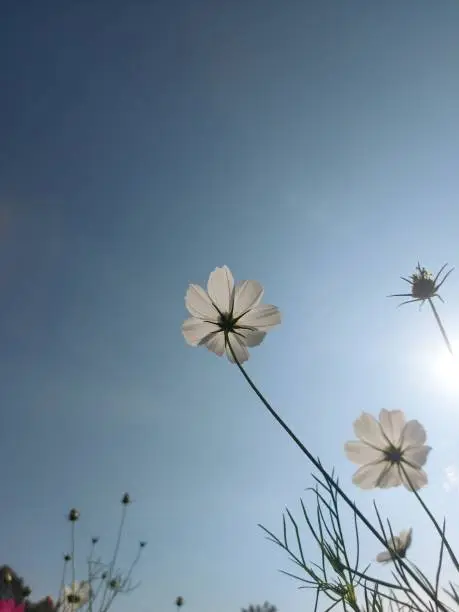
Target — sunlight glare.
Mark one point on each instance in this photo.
(446, 370)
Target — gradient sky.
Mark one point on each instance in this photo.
(311, 145)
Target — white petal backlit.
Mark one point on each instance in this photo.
(388, 447)
(261, 317)
(239, 349)
(405, 538)
(414, 434)
(417, 455)
(228, 311)
(251, 338)
(413, 477)
(199, 305)
(390, 477)
(82, 589)
(383, 557)
(392, 423)
(85, 591)
(394, 543)
(215, 343)
(361, 453)
(195, 331)
(367, 476)
(399, 544)
(247, 295)
(367, 428)
(220, 288)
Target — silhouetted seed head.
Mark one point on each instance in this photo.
(424, 286)
(126, 499)
(74, 515)
(179, 602)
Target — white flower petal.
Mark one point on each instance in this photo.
(196, 331)
(215, 343)
(414, 434)
(199, 305)
(384, 557)
(367, 476)
(82, 589)
(251, 338)
(390, 477)
(392, 423)
(367, 428)
(394, 543)
(247, 295)
(220, 288)
(261, 317)
(361, 453)
(239, 348)
(85, 591)
(399, 544)
(405, 538)
(413, 477)
(417, 455)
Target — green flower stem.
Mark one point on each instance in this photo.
(115, 555)
(325, 474)
(440, 325)
(434, 521)
(90, 577)
(73, 562)
(133, 565)
(64, 571)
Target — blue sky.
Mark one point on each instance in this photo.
(313, 146)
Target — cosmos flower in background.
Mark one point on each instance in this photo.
(390, 452)
(398, 545)
(228, 313)
(9, 605)
(75, 596)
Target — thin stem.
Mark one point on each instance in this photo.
(133, 565)
(91, 576)
(440, 325)
(73, 562)
(324, 473)
(115, 555)
(97, 591)
(126, 582)
(439, 530)
(61, 594)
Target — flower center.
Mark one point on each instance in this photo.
(226, 322)
(393, 454)
(73, 598)
(423, 285)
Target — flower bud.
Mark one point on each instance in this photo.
(74, 515)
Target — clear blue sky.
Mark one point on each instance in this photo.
(311, 145)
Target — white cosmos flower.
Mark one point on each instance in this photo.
(75, 596)
(390, 452)
(228, 313)
(398, 544)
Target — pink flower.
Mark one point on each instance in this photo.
(9, 605)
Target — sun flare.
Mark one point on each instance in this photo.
(446, 370)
